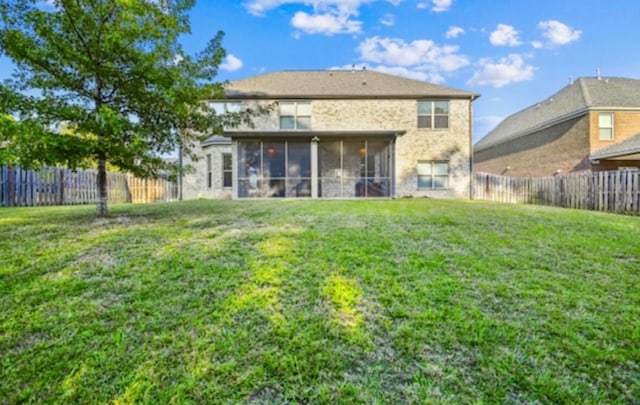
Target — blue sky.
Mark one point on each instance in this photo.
(512, 52)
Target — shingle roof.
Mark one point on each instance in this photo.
(573, 100)
(629, 146)
(333, 84)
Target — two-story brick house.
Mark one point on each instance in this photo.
(591, 124)
(338, 134)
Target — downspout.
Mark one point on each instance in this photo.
(471, 148)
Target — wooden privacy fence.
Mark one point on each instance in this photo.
(613, 191)
(60, 186)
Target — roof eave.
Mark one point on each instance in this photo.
(620, 154)
(312, 134)
(263, 96)
(532, 130)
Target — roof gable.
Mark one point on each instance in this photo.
(335, 84)
(571, 101)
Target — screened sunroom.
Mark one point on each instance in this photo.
(319, 165)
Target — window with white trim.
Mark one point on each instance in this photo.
(223, 107)
(433, 174)
(433, 114)
(226, 170)
(605, 125)
(209, 177)
(295, 115)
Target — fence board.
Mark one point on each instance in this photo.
(60, 186)
(614, 191)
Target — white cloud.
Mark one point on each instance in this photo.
(504, 35)
(437, 6)
(454, 32)
(328, 17)
(441, 5)
(327, 24)
(231, 63)
(511, 69)
(537, 44)
(388, 20)
(424, 53)
(558, 33)
(421, 59)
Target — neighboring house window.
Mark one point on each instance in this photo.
(226, 170)
(223, 107)
(295, 115)
(433, 114)
(433, 175)
(209, 178)
(605, 123)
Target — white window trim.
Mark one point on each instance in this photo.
(227, 170)
(295, 116)
(226, 106)
(433, 175)
(209, 171)
(433, 115)
(612, 128)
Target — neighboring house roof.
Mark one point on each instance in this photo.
(626, 148)
(336, 84)
(572, 101)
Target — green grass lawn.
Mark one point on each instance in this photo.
(406, 301)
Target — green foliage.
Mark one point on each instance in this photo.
(115, 72)
(406, 301)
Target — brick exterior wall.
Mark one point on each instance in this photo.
(626, 124)
(194, 184)
(452, 144)
(565, 147)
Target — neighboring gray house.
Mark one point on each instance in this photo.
(339, 134)
(592, 124)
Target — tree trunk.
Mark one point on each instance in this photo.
(101, 209)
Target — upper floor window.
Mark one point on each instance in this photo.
(223, 107)
(605, 124)
(295, 115)
(433, 114)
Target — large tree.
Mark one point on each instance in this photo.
(114, 72)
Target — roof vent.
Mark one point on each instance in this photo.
(598, 74)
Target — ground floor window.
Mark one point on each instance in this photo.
(209, 177)
(227, 172)
(433, 174)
